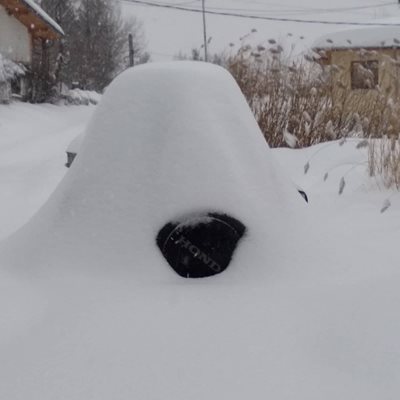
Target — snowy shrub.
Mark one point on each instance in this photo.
(81, 97)
(8, 71)
(288, 98)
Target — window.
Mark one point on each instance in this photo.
(364, 74)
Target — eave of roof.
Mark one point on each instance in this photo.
(35, 19)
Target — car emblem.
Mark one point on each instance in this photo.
(202, 245)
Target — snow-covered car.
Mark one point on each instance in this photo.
(173, 178)
(74, 146)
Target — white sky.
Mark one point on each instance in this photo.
(170, 31)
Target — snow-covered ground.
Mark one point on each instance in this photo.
(307, 310)
(32, 156)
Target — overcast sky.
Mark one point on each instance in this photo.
(169, 32)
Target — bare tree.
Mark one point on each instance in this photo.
(64, 13)
(100, 43)
(93, 51)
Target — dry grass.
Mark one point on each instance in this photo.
(306, 100)
(299, 103)
(311, 104)
(384, 160)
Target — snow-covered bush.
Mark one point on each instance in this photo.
(288, 98)
(80, 97)
(8, 70)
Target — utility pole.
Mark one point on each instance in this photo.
(131, 51)
(203, 2)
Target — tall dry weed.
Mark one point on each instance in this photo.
(307, 100)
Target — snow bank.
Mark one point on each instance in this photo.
(360, 38)
(167, 141)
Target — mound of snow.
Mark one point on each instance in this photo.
(167, 141)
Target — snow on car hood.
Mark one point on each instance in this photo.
(91, 310)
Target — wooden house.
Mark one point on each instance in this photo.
(26, 31)
(364, 63)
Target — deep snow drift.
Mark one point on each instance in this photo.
(301, 312)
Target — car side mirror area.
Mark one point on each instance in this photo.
(303, 194)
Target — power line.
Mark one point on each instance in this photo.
(256, 17)
(303, 10)
(287, 10)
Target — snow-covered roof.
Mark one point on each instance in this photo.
(26, 10)
(360, 38)
(43, 15)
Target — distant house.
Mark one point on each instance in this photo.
(25, 33)
(364, 61)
